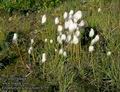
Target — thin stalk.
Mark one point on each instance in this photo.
(92, 62)
(20, 54)
(33, 56)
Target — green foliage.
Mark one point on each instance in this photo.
(11, 5)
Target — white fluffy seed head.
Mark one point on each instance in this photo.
(65, 15)
(61, 51)
(51, 41)
(55, 50)
(32, 41)
(15, 37)
(91, 33)
(70, 16)
(60, 28)
(93, 42)
(97, 38)
(75, 40)
(43, 19)
(82, 23)
(46, 39)
(71, 12)
(72, 26)
(64, 53)
(63, 37)
(66, 24)
(43, 57)
(77, 33)
(109, 53)
(91, 48)
(77, 16)
(56, 20)
(59, 39)
(69, 37)
(99, 9)
(30, 50)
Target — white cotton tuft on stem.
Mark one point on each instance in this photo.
(77, 16)
(91, 48)
(46, 40)
(51, 41)
(43, 19)
(59, 39)
(71, 12)
(65, 54)
(30, 50)
(96, 39)
(60, 28)
(109, 53)
(69, 37)
(63, 37)
(82, 23)
(43, 57)
(91, 33)
(32, 41)
(56, 20)
(15, 38)
(75, 40)
(65, 15)
(72, 26)
(77, 33)
(61, 51)
(99, 9)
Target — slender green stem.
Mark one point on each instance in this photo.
(92, 63)
(20, 54)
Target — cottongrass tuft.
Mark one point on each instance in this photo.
(71, 13)
(63, 37)
(77, 33)
(91, 33)
(46, 39)
(82, 23)
(96, 39)
(44, 18)
(56, 50)
(56, 20)
(30, 50)
(77, 16)
(60, 28)
(43, 57)
(32, 41)
(61, 51)
(15, 38)
(75, 40)
(109, 53)
(91, 48)
(99, 9)
(72, 26)
(65, 54)
(65, 15)
(59, 39)
(69, 37)
(51, 41)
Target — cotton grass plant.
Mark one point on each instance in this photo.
(61, 60)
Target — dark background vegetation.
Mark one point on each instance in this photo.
(10, 5)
